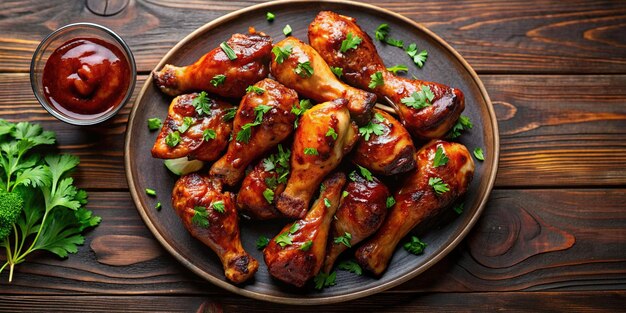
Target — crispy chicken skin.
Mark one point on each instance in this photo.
(296, 263)
(263, 178)
(194, 198)
(360, 213)
(389, 153)
(276, 125)
(323, 85)
(251, 65)
(192, 143)
(326, 33)
(417, 201)
(315, 153)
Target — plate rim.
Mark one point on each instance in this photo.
(495, 137)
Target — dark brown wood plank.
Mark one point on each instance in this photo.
(540, 240)
(581, 36)
(455, 302)
(555, 130)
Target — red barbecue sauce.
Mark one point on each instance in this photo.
(86, 77)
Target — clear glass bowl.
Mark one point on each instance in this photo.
(58, 38)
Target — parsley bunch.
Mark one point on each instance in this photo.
(40, 208)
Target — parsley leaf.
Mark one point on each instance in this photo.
(438, 185)
(376, 80)
(229, 51)
(351, 42)
(440, 158)
(366, 173)
(371, 128)
(415, 246)
(310, 151)
(398, 68)
(154, 123)
(304, 69)
(419, 57)
(230, 114)
(338, 71)
(458, 208)
(327, 202)
(344, 194)
(390, 201)
(269, 16)
(419, 99)
(306, 245)
(200, 217)
(218, 206)
(151, 192)
(382, 31)
(262, 242)
(268, 194)
(279, 163)
(202, 103)
(331, 133)
(350, 266)
(283, 240)
(158, 206)
(345, 239)
(463, 123)
(187, 121)
(294, 227)
(298, 110)
(255, 89)
(322, 280)
(245, 132)
(287, 30)
(218, 80)
(208, 134)
(172, 139)
(395, 42)
(478, 153)
(281, 54)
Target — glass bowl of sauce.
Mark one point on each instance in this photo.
(83, 73)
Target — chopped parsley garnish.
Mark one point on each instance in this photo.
(376, 80)
(158, 206)
(345, 239)
(151, 192)
(415, 246)
(229, 51)
(395, 42)
(244, 134)
(187, 121)
(269, 16)
(310, 151)
(218, 80)
(172, 139)
(419, 57)
(230, 114)
(255, 89)
(338, 71)
(208, 134)
(438, 185)
(398, 68)
(463, 123)
(331, 133)
(366, 173)
(268, 194)
(218, 206)
(322, 280)
(350, 266)
(294, 228)
(200, 217)
(281, 54)
(278, 162)
(478, 153)
(419, 99)
(327, 202)
(440, 158)
(298, 110)
(262, 242)
(202, 104)
(382, 31)
(371, 128)
(306, 245)
(287, 30)
(283, 239)
(344, 194)
(304, 69)
(458, 208)
(351, 42)
(154, 123)
(390, 201)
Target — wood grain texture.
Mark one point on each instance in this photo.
(581, 36)
(436, 302)
(555, 130)
(540, 240)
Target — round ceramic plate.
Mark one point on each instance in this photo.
(444, 65)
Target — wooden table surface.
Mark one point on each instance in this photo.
(552, 237)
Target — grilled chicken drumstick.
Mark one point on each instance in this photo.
(324, 136)
(210, 216)
(428, 110)
(195, 127)
(433, 186)
(360, 214)
(226, 70)
(300, 67)
(263, 120)
(296, 254)
(386, 148)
